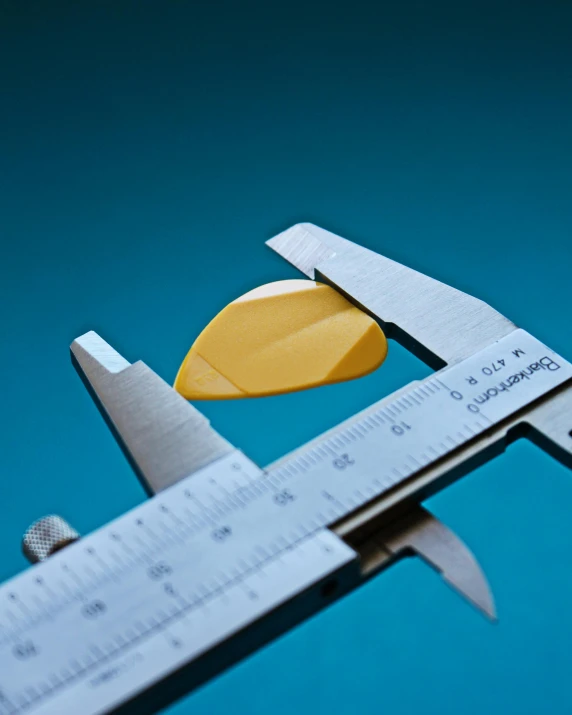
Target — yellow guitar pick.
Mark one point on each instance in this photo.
(281, 337)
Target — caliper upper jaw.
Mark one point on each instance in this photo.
(436, 322)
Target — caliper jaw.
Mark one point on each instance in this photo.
(419, 533)
(163, 436)
(439, 324)
(436, 322)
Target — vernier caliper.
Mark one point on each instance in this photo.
(226, 555)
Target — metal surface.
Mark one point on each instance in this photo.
(438, 323)
(420, 431)
(137, 601)
(164, 437)
(47, 536)
(203, 539)
(421, 407)
(551, 425)
(420, 532)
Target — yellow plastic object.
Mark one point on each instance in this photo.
(281, 337)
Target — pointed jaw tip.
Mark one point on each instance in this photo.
(476, 588)
(484, 604)
(489, 609)
(90, 349)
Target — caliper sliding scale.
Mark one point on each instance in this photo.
(225, 556)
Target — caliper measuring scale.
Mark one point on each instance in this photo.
(226, 556)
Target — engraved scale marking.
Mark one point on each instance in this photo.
(230, 517)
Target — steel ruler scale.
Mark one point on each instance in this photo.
(221, 560)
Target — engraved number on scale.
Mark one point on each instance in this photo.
(84, 621)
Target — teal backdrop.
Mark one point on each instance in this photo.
(147, 151)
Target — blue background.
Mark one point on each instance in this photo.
(148, 150)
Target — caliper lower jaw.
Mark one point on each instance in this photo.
(417, 532)
(166, 439)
